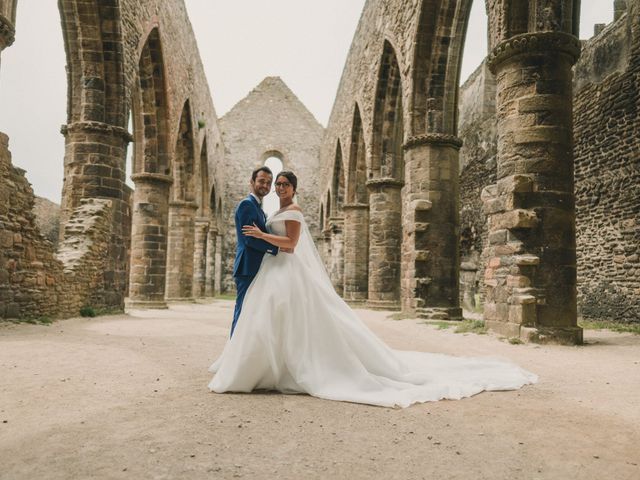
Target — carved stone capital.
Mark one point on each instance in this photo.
(442, 139)
(355, 206)
(385, 182)
(97, 127)
(142, 178)
(183, 205)
(7, 32)
(549, 43)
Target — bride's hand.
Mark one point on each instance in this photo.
(252, 231)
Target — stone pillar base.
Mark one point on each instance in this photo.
(180, 300)
(440, 313)
(144, 305)
(557, 335)
(356, 302)
(383, 304)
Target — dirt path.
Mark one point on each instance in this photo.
(126, 397)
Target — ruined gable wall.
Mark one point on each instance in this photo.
(607, 169)
(269, 119)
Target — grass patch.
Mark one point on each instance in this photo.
(439, 324)
(472, 326)
(225, 296)
(401, 316)
(33, 320)
(515, 341)
(613, 326)
(88, 311)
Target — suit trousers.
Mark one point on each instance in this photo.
(242, 284)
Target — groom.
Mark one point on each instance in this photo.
(250, 250)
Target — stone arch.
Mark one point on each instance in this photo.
(357, 173)
(335, 224)
(385, 183)
(271, 202)
(204, 223)
(182, 212)
(96, 135)
(356, 217)
(95, 64)
(437, 61)
(150, 109)
(338, 182)
(204, 201)
(152, 178)
(184, 158)
(213, 280)
(328, 210)
(388, 129)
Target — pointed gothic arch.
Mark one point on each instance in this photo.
(388, 129)
(357, 174)
(152, 169)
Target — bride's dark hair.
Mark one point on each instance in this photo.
(293, 180)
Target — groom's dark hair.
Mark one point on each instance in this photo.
(264, 168)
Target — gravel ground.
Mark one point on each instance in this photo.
(126, 397)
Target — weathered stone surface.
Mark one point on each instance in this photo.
(269, 122)
(133, 58)
(607, 166)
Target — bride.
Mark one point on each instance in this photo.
(296, 335)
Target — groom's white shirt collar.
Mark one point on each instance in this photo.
(256, 197)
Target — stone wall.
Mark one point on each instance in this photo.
(35, 282)
(114, 73)
(30, 276)
(269, 122)
(477, 129)
(607, 168)
(607, 173)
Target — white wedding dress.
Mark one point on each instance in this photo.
(296, 335)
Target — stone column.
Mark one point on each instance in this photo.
(210, 267)
(356, 252)
(200, 257)
(217, 278)
(385, 241)
(94, 163)
(94, 167)
(336, 260)
(149, 240)
(182, 215)
(325, 247)
(430, 219)
(531, 272)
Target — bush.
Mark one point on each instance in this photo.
(87, 312)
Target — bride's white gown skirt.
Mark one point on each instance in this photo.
(296, 335)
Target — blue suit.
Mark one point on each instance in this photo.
(249, 250)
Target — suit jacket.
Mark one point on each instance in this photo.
(250, 250)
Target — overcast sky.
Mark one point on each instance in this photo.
(304, 42)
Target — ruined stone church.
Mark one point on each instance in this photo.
(516, 194)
